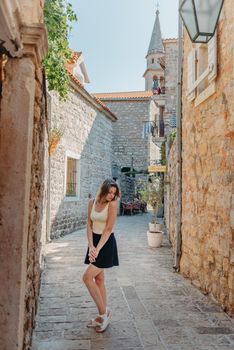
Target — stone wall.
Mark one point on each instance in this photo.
(127, 188)
(171, 62)
(171, 59)
(36, 210)
(127, 133)
(154, 150)
(22, 151)
(170, 203)
(207, 195)
(87, 133)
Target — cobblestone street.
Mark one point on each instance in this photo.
(153, 308)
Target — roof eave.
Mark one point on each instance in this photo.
(94, 102)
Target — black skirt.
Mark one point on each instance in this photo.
(108, 255)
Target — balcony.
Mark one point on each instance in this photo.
(159, 99)
(156, 129)
(160, 136)
(158, 140)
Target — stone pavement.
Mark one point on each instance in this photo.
(153, 307)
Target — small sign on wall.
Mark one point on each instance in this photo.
(157, 168)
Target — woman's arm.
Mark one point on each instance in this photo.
(90, 225)
(112, 213)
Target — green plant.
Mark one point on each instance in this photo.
(173, 135)
(55, 136)
(155, 194)
(57, 15)
(152, 192)
(142, 194)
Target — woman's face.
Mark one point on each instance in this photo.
(111, 194)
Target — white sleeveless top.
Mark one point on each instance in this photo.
(99, 219)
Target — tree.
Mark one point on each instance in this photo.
(152, 192)
(155, 196)
(58, 14)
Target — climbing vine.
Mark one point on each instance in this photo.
(58, 16)
(173, 135)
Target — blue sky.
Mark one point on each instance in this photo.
(114, 36)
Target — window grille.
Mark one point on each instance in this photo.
(71, 185)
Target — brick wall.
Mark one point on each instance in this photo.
(207, 197)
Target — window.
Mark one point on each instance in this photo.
(152, 60)
(72, 187)
(202, 71)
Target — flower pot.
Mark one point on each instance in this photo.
(155, 239)
(155, 227)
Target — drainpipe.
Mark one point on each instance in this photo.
(179, 149)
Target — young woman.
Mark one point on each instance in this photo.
(102, 249)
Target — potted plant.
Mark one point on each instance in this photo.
(55, 136)
(155, 196)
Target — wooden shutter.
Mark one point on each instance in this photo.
(212, 58)
(191, 62)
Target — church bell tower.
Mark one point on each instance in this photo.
(154, 74)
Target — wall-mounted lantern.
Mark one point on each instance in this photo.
(200, 18)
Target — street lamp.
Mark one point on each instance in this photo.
(200, 18)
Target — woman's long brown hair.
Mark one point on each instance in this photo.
(105, 187)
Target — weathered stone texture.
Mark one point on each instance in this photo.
(22, 151)
(128, 131)
(23, 133)
(36, 210)
(208, 153)
(154, 150)
(88, 133)
(170, 197)
(127, 185)
(171, 63)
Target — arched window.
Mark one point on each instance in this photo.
(127, 171)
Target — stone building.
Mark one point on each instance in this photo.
(130, 144)
(146, 118)
(207, 163)
(83, 157)
(23, 44)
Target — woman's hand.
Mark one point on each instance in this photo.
(93, 253)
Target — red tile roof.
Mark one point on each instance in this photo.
(170, 39)
(137, 95)
(69, 67)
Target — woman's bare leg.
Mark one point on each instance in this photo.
(100, 282)
(88, 278)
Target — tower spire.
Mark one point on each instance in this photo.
(157, 6)
(156, 44)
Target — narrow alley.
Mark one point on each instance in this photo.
(153, 308)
